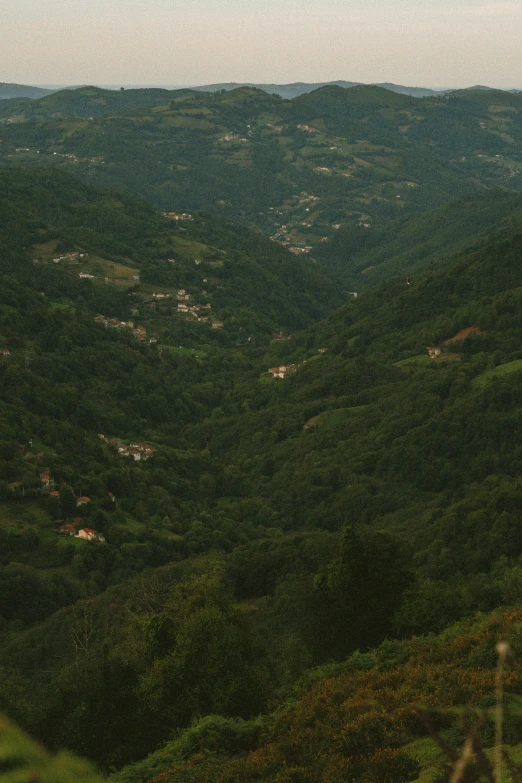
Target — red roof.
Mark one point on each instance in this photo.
(89, 531)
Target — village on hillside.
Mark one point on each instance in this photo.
(135, 449)
(61, 496)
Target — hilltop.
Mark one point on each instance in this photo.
(299, 88)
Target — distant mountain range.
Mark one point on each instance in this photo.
(292, 90)
(299, 88)
(8, 90)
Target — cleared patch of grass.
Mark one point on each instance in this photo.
(197, 353)
(190, 250)
(498, 372)
(21, 514)
(421, 359)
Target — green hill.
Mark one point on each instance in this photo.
(253, 286)
(299, 88)
(297, 169)
(8, 90)
(364, 257)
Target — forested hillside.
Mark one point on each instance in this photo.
(134, 258)
(237, 502)
(363, 258)
(299, 169)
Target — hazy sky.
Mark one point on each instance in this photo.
(415, 42)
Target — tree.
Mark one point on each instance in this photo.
(360, 592)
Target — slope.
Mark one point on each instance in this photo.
(401, 712)
(249, 283)
(297, 169)
(270, 525)
(8, 90)
(364, 257)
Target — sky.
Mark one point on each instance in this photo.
(432, 43)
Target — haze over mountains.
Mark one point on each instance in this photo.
(8, 90)
(288, 91)
(260, 427)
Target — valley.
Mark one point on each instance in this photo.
(260, 425)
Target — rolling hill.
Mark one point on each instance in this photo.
(8, 90)
(363, 258)
(235, 276)
(299, 170)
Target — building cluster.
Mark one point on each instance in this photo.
(139, 332)
(135, 450)
(297, 250)
(233, 137)
(284, 371)
(75, 256)
(178, 216)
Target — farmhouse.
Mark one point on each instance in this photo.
(88, 534)
(284, 371)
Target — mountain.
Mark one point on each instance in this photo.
(295, 89)
(8, 90)
(298, 170)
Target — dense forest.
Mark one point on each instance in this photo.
(254, 527)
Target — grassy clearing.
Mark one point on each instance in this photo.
(195, 250)
(46, 250)
(119, 274)
(22, 515)
(498, 372)
(188, 122)
(421, 359)
(197, 353)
